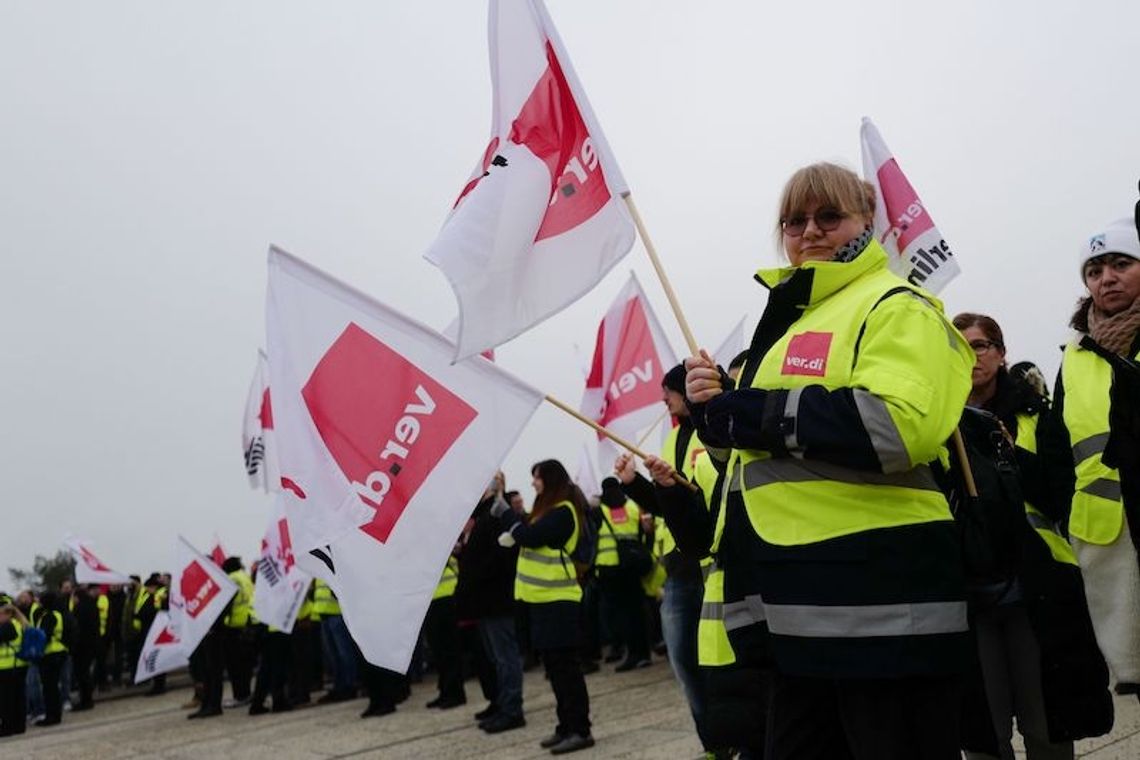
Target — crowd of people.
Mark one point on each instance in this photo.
(866, 537)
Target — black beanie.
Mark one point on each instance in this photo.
(612, 495)
(674, 379)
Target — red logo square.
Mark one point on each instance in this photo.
(385, 422)
(807, 354)
(198, 588)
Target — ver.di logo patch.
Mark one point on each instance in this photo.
(807, 354)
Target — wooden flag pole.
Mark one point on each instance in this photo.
(694, 349)
(964, 463)
(631, 447)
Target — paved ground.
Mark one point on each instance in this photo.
(636, 715)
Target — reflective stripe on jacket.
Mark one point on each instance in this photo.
(544, 574)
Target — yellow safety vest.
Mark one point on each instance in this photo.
(654, 581)
(543, 574)
(862, 328)
(448, 580)
(1042, 526)
(55, 641)
(241, 607)
(104, 605)
(8, 650)
(713, 647)
(669, 454)
(305, 612)
(324, 600)
(1097, 513)
(142, 598)
(620, 524)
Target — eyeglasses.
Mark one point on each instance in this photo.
(983, 346)
(826, 220)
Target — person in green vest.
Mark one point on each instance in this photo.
(622, 603)
(854, 381)
(238, 634)
(48, 618)
(1036, 650)
(1082, 437)
(13, 670)
(441, 631)
(546, 580)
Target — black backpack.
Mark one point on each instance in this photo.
(634, 557)
(990, 525)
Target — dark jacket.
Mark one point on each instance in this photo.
(486, 586)
(1074, 676)
(87, 623)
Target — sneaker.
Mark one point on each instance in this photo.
(229, 704)
(550, 741)
(572, 743)
(629, 665)
(501, 723)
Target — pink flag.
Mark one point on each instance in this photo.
(257, 432)
(199, 593)
(631, 357)
(88, 567)
(541, 220)
(918, 252)
(162, 650)
(372, 415)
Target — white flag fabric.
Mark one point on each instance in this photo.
(369, 409)
(162, 650)
(280, 587)
(918, 252)
(541, 220)
(631, 357)
(257, 437)
(88, 567)
(200, 593)
(587, 475)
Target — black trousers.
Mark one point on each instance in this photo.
(237, 647)
(569, 685)
(622, 607)
(13, 701)
(301, 664)
(50, 667)
(484, 666)
(82, 662)
(210, 667)
(385, 688)
(863, 719)
(442, 633)
(102, 648)
(273, 673)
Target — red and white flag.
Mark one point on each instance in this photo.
(371, 414)
(280, 587)
(88, 567)
(631, 357)
(162, 650)
(541, 220)
(217, 553)
(257, 432)
(200, 592)
(918, 252)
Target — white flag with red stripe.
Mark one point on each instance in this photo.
(88, 567)
(371, 414)
(918, 252)
(541, 220)
(162, 650)
(257, 438)
(280, 587)
(199, 593)
(631, 357)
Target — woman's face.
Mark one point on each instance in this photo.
(989, 356)
(536, 482)
(825, 229)
(1113, 281)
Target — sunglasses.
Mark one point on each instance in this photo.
(826, 220)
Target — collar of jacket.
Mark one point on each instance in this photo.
(826, 277)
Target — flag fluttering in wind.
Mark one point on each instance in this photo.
(371, 413)
(541, 220)
(162, 650)
(217, 553)
(257, 432)
(88, 567)
(200, 592)
(918, 252)
(631, 357)
(281, 585)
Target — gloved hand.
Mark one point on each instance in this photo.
(506, 539)
(500, 506)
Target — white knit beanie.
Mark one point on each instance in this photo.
(1119, 236)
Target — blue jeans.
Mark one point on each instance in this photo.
(35, 693)
(680, 616)
(502, 645)
(65, 680)
(340, 652)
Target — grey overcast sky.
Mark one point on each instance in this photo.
(151, 152)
